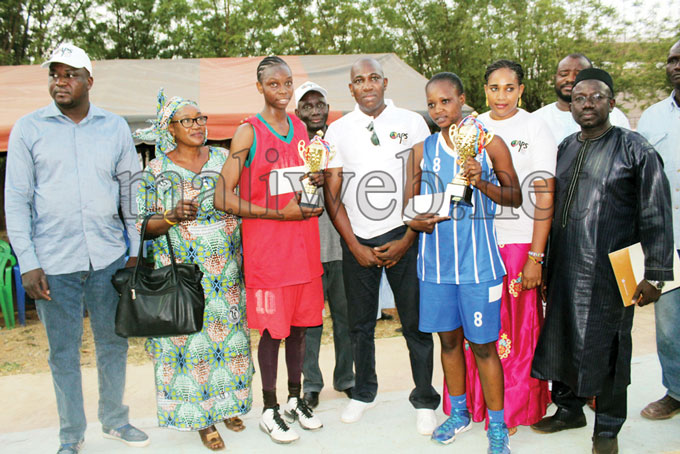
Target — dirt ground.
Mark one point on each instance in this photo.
(24, 349)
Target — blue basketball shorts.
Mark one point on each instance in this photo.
(475, 307)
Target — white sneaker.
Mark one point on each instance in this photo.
(298, 409)
(354, 410)
(426, 421)
(273, 425)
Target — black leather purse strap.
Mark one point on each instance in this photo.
(141, 250)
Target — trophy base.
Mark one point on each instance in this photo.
(460, 194)
(310, 200)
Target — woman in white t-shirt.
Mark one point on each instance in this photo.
(522, 234)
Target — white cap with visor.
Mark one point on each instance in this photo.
(307, 87)
(71, 55)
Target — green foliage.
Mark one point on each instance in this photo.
(469, 35)
(23, 29)
(639, 69)
(462, 36)
(10, 367)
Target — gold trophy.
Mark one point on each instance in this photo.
(316, 157)
(468, 139)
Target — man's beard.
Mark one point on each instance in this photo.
(562, 96)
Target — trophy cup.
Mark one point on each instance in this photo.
(468, 139)
(316, 157)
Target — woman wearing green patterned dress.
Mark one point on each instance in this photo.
(204, 378)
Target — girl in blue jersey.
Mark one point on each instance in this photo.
(459, 265)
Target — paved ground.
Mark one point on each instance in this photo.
(28, 422)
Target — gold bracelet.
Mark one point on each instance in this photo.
(165, 218)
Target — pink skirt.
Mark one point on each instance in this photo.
(526, 398)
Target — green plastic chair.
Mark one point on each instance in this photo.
(7, 262)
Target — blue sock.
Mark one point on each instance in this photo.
(496, 416)
(458, 403)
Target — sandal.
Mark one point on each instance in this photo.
(211, 438)
(512, 431)
(235, 424)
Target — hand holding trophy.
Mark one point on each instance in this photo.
(316, 157)
(469, 137)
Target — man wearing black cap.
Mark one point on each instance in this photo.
(611, 192)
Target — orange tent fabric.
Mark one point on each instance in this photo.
(223, 87)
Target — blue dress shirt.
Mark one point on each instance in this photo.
(64, 185)
(660, 125)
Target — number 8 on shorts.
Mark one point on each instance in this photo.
(480, 306)
(478, 319)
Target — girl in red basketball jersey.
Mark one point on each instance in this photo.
(282, 264)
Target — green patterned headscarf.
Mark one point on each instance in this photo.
(158, 131)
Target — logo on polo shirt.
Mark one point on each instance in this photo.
(519, 143)
(399, 135)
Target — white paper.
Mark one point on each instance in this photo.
(495, 293)
(283, 181)
(438, 204)
(451, 189)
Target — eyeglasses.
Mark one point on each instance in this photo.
(594, 99)
(374, 137)
(309, 108)
(189, 122)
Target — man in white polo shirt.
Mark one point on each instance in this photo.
(557, 115)
(373, 142)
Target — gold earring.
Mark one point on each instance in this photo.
(487, 100)
(519, 104)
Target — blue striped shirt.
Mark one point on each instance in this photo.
(463, 249)
(64, 185)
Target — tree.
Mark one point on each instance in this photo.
(25, 26)
(465, 36)
(462, 36)
(636, 59)
(13, 32)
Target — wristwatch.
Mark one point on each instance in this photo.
(657, 284)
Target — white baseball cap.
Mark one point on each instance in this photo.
(71, 55)
(307, 87)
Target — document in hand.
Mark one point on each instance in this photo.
(283, 181)
(629, 268)
(438, 203)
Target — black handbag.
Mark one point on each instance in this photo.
(167, 301)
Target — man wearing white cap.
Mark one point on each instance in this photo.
(312, 108)
(70, 167)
